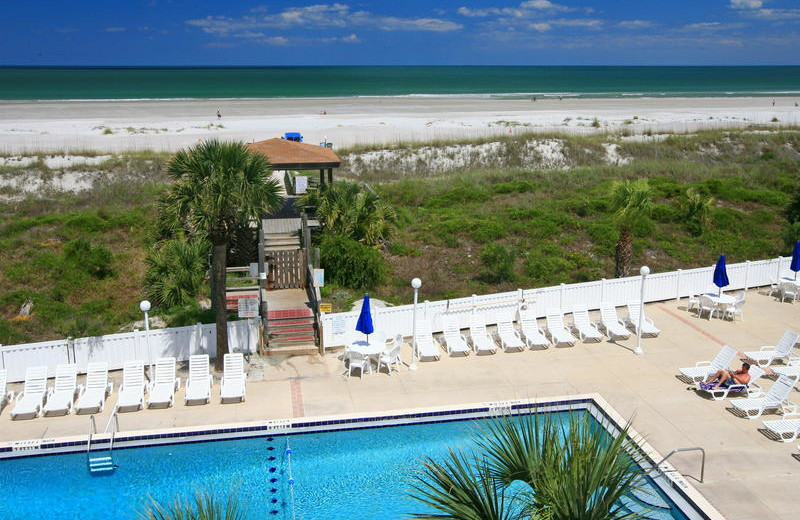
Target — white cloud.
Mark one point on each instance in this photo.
(275, 40)
(489, 11)
(635, 24)
(353, 38)
(746, 4)
(316, 17)
(114, 29)
(710, 27)
(541, 27)
(249, 34)
(543, 5)
(777, 14)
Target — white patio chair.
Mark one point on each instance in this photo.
(29, 403)
(480, 338)
(556, 329)
(751, 389)
(199, 382)
(508, 337)
(706, 306)
(775, 399)
(733, 310)
(454, 342)
(530, 331)
(391, 358)
(693, 303)
(781, 352)
(161, 391)
(359, 361)
(6, 396)
(131, 393)
(93, 395)
(609, 323)
(702, 369)
(787, 430)
(426, 346)
(582, 326)
(788, 290)
(233, 386)
(61, 396)
(648, 327)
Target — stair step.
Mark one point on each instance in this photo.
(290, 340)
(290, 322)
(289, 313)
(101, 464)
(293, 329)
(305, 349)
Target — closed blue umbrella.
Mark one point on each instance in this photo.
(364, 323)
(795, 259)
(720, 274)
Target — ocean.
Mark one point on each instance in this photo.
(34, 83)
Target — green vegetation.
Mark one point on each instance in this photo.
(203, 505)
(716, 192)
(533, 468)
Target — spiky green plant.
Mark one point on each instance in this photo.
(571, 470)
(176, 271)
(203, 505)
(631, 203)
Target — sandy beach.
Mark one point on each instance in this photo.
(167, 125)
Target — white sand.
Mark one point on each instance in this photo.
(172, 124)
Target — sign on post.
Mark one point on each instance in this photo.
(326, 307)
(248, 307)
(319, 277)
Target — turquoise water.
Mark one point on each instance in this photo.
(270, 82)
(338, 475)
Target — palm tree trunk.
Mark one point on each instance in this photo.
(218, 264)
(623, 255)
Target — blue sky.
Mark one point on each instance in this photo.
(533, 32)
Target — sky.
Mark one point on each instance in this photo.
(387, 32)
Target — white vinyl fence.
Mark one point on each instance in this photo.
(116, 349)
(338, 329)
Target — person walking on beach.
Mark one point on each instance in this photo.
(219, 114)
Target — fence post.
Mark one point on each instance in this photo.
(602, 289)
(561, 296)
(778, 273)
(474, 302)
(746, 273)
(678, 287)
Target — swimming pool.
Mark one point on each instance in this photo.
(351, 472)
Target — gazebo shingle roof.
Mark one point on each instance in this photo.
(285, 155)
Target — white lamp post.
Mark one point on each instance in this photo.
(144, 306)
(416, 283)
(644, 271)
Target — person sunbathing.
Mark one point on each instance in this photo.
(725, 378)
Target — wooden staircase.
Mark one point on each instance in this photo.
(291, 332)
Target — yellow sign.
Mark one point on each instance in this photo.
(325, 307)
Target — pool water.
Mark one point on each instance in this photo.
(338, 475)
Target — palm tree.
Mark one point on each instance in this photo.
(697, 211)
(631, 203)
(346, 209)
(218, 187)
(534, 468)
(176, 271)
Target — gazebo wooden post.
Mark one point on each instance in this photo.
(321, 177)
(330, 176)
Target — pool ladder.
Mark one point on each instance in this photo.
(105, 463)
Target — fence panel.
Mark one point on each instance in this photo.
(17, 358)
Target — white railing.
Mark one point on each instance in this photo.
(115, 349)
(338, 329)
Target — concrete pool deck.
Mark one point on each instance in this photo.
(748, 474)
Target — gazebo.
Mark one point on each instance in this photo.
(292, 155)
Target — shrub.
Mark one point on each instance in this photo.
(94, 260)
(498, 263)
(176, 272)
(352, 264)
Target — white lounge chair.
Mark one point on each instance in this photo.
(780, 352)
(508, 337)
(161, 390)
(93, 395)
(556, 329)
(775, 399)
(751, 389)
(234, 381)
(29, 402)
(648, 327)
(61, 397)
(609, 323)
(480, 338)
(582, 326)
(454, 342)
(5, 395)
(792, 370)
(702, 369)
(530, 331)
(787, 430)
(426, 346)
(131, 393)
(199, 382)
